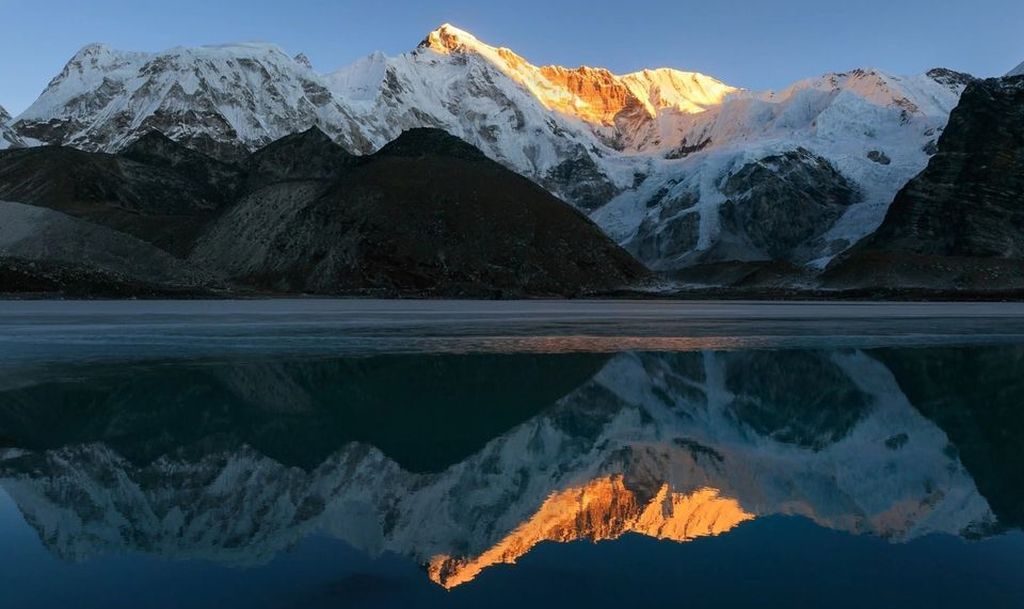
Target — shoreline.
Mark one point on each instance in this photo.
(860, 295)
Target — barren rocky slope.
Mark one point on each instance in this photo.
(427, 213)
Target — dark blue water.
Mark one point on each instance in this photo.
(381, 454)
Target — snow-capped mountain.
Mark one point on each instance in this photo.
(674, 446)
(678, 166)
(220, 99)
(625, 112)
(798, 175)
(1018, 71)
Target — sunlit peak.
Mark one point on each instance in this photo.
(448, 38)
(594, 95)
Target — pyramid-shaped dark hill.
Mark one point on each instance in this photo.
(417, 143)
(216, 179)
(427, 215)
(157, 191)
(310, 155)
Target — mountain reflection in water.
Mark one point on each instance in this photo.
(601, 510)
(461, 462)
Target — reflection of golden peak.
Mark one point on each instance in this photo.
(594, 95)
(601, 510)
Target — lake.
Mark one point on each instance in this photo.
(354, 453)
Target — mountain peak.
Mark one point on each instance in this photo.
(93, 49)
(1018, 71)
(448, 38)
(310, 142)
(155, 148)
(224, 88)
(605, 508)
(950, 78)
(427, 141)
(154, 138)
(92, 56)
(306, 155)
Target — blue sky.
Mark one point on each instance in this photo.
(754, 44)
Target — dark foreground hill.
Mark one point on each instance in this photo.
(156, 190)
(428, 215)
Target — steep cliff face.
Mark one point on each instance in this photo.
(960, 223)
(779, 204)
(984, 428)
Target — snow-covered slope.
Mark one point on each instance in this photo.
(663, 159)
(218, 99)
(8, 137)
(674, 446)
(1018, 71)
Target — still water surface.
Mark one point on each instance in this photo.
(377, 454)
